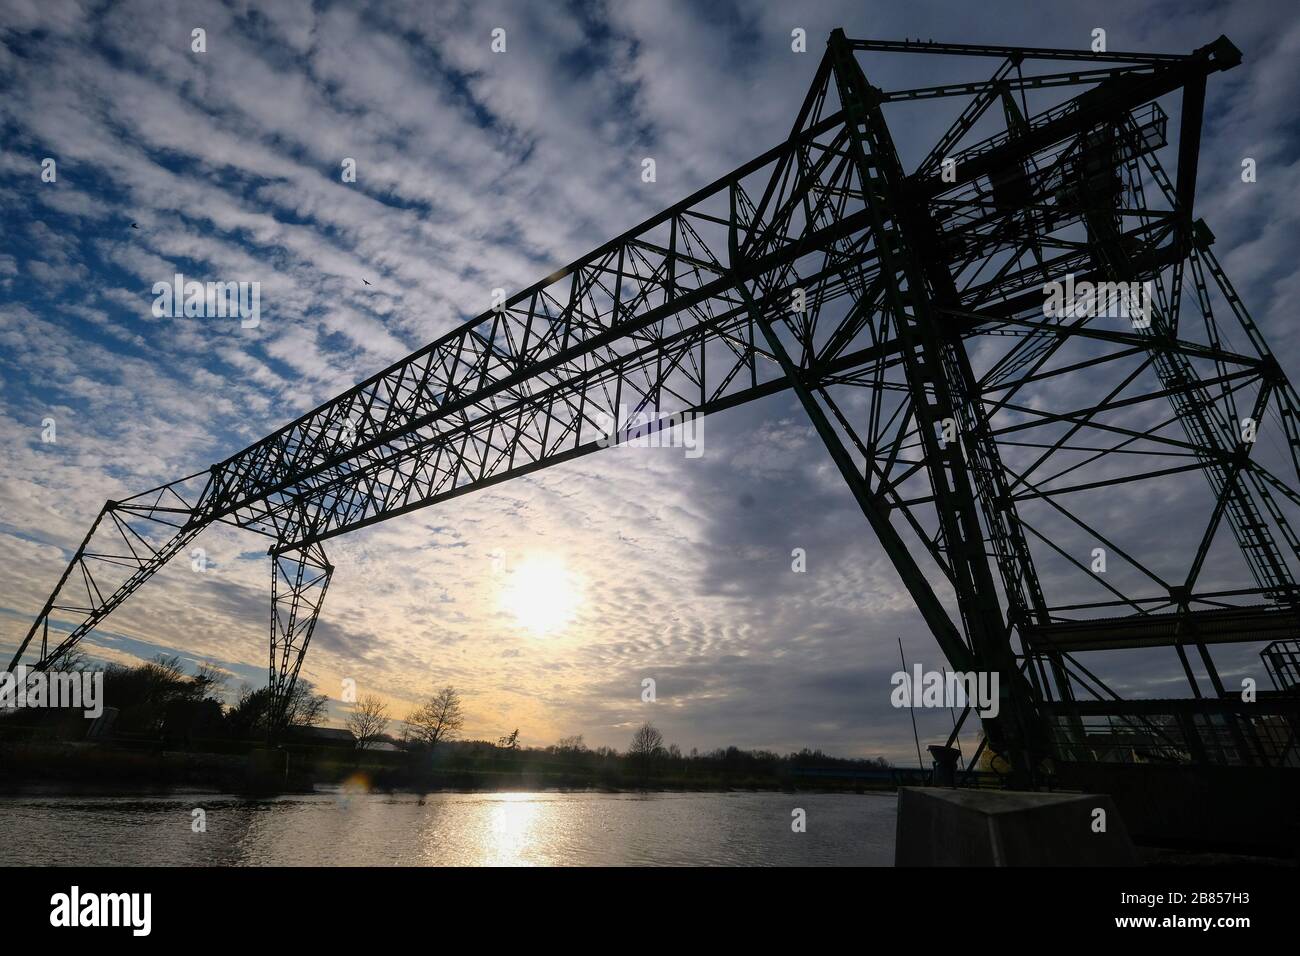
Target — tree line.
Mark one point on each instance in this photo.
(158, 699)
(433, 729)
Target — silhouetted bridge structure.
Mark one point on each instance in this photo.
(997, 449)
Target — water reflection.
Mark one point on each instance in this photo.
(350, 827)
(511, 821)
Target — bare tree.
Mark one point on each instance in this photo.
(74, 659)
(368, 719)
(574, 744)
(647, 743)
(438, 719)
(305, 707)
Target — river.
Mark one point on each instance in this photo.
(339, 827)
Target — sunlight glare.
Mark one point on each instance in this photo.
(542, 594)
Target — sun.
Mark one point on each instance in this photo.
(542, 594)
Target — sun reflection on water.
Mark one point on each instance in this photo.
(505, 829)
(511, 823)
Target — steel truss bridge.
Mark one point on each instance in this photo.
(996, 448)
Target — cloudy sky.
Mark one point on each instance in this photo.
(478, 169)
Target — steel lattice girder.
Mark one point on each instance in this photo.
(299, 580)
(922, 299)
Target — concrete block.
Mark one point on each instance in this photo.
(942, 827)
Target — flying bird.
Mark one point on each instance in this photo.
(134, 226)
(367, 283)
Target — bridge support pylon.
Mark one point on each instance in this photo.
(299, 579)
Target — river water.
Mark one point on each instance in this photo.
(339, 827)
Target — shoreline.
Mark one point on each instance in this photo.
(55, 788)
(83, 766)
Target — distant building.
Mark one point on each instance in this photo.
(323, 737)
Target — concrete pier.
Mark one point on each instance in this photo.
(944, 827)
